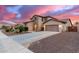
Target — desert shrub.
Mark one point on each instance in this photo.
(21, 28)
(16, 29)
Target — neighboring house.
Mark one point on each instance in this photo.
(6, 23)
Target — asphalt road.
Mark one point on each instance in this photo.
(66, 42)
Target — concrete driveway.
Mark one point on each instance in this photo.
(7, 45)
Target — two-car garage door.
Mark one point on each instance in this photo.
(52, 28)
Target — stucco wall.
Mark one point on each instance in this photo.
(30, 26)
(39, 21)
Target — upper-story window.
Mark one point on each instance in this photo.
(44, 19)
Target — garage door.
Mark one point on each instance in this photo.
(52, 28)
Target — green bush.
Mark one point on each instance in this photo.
(17, 29)
(21, 28)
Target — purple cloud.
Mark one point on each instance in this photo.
(59, 11)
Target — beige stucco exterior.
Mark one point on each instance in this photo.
(30, 26)
(37, 23)
(39, 20)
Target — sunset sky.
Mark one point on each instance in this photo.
(25, 12)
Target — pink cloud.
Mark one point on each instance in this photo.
(9, 16)
(2, 8)
(43, 10)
